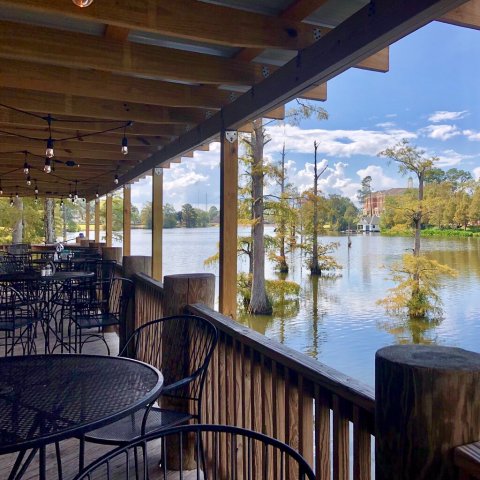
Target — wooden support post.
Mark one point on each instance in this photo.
(108, 220)
(87, 220)
(97, 220)
(157, 222)
(228, 223)
(179, 291)
(127, 218)
(426, 404)
(112, 253)
(132, 265)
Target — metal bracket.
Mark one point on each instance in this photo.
(127, 186)
(233, 96)
(109, 194)
(231, 135)
(208, 114)
(265, 71)
(158, 171)
(317, 34)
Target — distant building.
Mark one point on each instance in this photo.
(369, 224)
(375, 203)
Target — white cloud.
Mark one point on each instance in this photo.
(385, 125)
(334, 143)
(449, 158)
(476, 173)
(472, 135)
(443, 115)
(441, 132)
(380, 181)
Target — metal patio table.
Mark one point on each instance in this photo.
(48, 398)
(39, 291)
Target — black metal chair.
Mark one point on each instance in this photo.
(97, 305)
(180, 347)
(17, 322)
(231, 452)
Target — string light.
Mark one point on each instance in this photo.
(26, 168)
(82, 3)
(11, 201)
(1, 189)
(116, 180)
(49, 151)
(36, 199)
(16, 193)
(97, 194)
(48, 165)
(36, 189)
(29, 181)
(61, 203)
(75, 196)
(124, 142)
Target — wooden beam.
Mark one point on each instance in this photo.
(75, 123)
(90, 140)
(157, 223)
(466, 15)
(228, 226)
(71, 49)
(108, 220)
(59, 104)
(127, 219)
(358, 37)
(108, 86)
(97, 220)
(87, 220)
(318, 93)
(188, 19)
(116, 33)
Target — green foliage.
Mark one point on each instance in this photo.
(146, 215)
(189, 216)
(326, 262)
(169, 216)
(282, 294)
(418, 279)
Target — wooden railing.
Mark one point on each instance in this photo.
(260, 384)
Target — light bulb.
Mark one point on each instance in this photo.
(48, 165)
(29, 182)
(11, 201)
(124, 145)
(116, 180)
(70, 195)
(82, 3)
(36, 190)
(16, 194)
(75, 197)
(97, 194)
(61, 203)
(49, 151)
(26, 168)
(36, 199)
(1, 191)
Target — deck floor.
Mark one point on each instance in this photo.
(70, 448)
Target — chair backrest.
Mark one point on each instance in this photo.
(120, 293)
(225, 452)
(180, 346)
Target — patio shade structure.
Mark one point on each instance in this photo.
(169, 77)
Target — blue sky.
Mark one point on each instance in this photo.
(431, 95)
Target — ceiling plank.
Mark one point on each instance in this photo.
(59, 104)
(361, 35)
(71, 49)
(108, 86)
(467, 15)
(187, 19)
(116, 33)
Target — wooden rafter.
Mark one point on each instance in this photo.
(71, 49)
(467, 15)
(187, 19)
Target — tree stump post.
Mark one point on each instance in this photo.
(426, 404)
(179, 291)
(112, 253)
(131, 266)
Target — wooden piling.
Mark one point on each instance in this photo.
(426, 404)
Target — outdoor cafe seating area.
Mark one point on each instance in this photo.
(69, 396)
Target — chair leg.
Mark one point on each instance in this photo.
(59, 460)
(81, 455)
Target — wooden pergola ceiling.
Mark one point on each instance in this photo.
(180, 71)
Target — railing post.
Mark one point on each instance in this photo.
(131, 266)
(179, 291)
(426, 404)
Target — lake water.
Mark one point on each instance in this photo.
(337, 320)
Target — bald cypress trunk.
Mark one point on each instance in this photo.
(17, 233)
(259, 303)
(49, 220)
